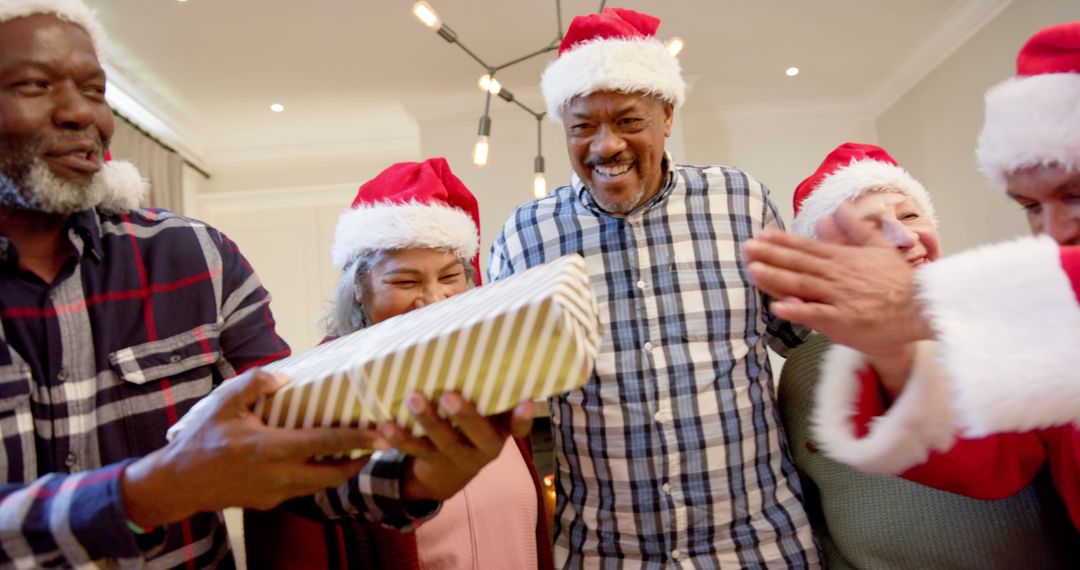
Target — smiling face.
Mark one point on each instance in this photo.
(616, 145)
(408, 279)
(1050, 197)
(54, 122)
(899, 217)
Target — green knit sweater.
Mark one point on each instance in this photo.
(870, 522)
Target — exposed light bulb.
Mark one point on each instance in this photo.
(792, 71)
(426, 14)
(490, 84)
(277, 107)
(480, 151)
(675, 44)
(539, 185)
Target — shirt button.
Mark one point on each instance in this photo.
(648, 346)
(658, 417)
(62, 375)
(666, 488)
(675, 554)
(70, 460)
(175, 359)
(640, 284)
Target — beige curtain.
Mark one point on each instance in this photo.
(162, 166)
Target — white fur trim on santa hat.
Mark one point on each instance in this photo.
(920, 421)
(74, 11)
(1030, 121)
(1009, 326)
(124, 187)
(391, 226)
(852, 181)
(641, 65)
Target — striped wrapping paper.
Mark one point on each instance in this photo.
(529, 336)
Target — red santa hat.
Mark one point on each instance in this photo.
(1034, 118)
(849, 171)
(411, 204)
(615, 50)
(74, 11)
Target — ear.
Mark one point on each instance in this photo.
(669, 113)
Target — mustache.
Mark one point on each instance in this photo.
(101, 144)
(604, 161)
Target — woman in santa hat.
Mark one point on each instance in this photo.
(411, 238)
(862, 520)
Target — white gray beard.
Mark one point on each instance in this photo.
(40, 190)
(622, 207)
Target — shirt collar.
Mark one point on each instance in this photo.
(87, 225)
(666, 186)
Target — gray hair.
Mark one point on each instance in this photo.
(346, 313)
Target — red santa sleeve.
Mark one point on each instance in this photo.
(916, 436)
(1007, 320)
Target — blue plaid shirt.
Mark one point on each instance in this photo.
(150, 312)
(672, 455)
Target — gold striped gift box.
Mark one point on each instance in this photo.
(528, 336)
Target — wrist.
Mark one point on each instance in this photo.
(150, 494)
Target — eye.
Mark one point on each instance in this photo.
(404, 283)
(31, 87)
(95, 91)
(909, 216)
(451, 277)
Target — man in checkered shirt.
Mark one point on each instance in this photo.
(116, 320)
(672, 456)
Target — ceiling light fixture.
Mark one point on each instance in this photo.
(277, 107)
(792, 71)
(429, 18)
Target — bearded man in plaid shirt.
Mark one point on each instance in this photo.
(672, 455)
(116, 320)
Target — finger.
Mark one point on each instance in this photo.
(521, 419)
(447, 440)
(287, 444)
(807, 245)
(828, 231)
(817, 316)
(314, 476)
(419, 447)
(858, 230)
(246, 389)
(480, 431)
(785, 257)
(780, 283)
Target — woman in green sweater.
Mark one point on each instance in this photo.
(867, 521)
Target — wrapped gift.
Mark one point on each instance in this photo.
(528, 336)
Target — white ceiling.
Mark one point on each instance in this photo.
(211, 68)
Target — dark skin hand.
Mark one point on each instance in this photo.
(452, 454)
(228, 457)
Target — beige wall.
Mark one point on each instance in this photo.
(779, 150)
(931, 130)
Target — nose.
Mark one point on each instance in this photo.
(73, 110)
(432, 293)
(1059, 222)
(898, 234)
(606, 143)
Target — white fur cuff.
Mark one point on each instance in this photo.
(624, 65)
(401, 226)
(920, 421)
(1030, 121)
(1009, 326)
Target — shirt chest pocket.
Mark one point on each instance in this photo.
(161, 380)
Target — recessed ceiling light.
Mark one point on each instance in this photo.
(277, 107)
(792, 71)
